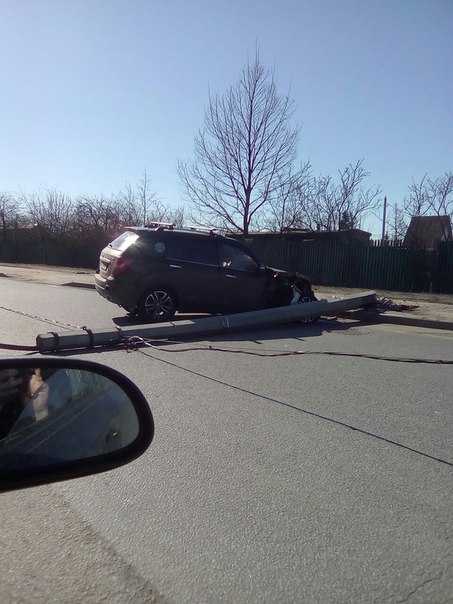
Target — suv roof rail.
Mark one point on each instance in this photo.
(203, 229)
(160, 225)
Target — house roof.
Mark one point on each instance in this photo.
(306, 234)
(426, 231)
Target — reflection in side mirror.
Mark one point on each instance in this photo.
(62, 418)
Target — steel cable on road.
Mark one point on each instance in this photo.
(34, 348)
(134, 340)
(38, 318)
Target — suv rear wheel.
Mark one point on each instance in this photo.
(156, 304)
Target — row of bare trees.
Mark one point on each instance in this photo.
(316, 203)
(56, 214)
(324, 202)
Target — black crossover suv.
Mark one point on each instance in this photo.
(157, 270)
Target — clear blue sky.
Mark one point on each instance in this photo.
(93, 92)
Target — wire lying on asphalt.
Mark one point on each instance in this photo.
(295, 408)
(38, 318)
(18, 347)
(33, 349)
(134, 341)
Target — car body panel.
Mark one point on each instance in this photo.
(204, 271)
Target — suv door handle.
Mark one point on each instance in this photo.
(175, 266)
(231, 276)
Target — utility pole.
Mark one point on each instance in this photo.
(384, 218)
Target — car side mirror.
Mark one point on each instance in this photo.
(61, 419)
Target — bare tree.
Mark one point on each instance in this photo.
(127, 207)
(141, 206)
(396, 223)
(244, 154)
(330, 205)
(431, 196)
(52, 211)
(176, 216)
(132, 206)
(9, 214)
(321, 205)
(136, 206)
(96, 214)
(147, 200)
(416, 204)
(288, 207)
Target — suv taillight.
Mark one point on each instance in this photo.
(120, 265)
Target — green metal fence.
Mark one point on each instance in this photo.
(370, 265)
(376, 265)
(76, 253)
(443, 272)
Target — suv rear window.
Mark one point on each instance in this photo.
(122, 242)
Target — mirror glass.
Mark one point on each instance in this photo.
(54, 415)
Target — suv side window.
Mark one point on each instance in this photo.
(235, 258)
(200, 250)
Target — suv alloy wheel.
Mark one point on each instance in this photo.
(157, 304)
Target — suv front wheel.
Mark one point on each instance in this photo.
(304, 300)
(156, 304)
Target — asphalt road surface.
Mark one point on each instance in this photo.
(283, 478)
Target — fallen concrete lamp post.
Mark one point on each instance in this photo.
(89, 338)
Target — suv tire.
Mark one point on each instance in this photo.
(156, 304)
(304, 300)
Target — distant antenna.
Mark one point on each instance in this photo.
(384, 218)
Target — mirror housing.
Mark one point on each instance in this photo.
(64, 418)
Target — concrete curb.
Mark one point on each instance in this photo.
(76, 284)
(396, 319)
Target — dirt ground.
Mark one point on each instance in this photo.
(438, 307)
